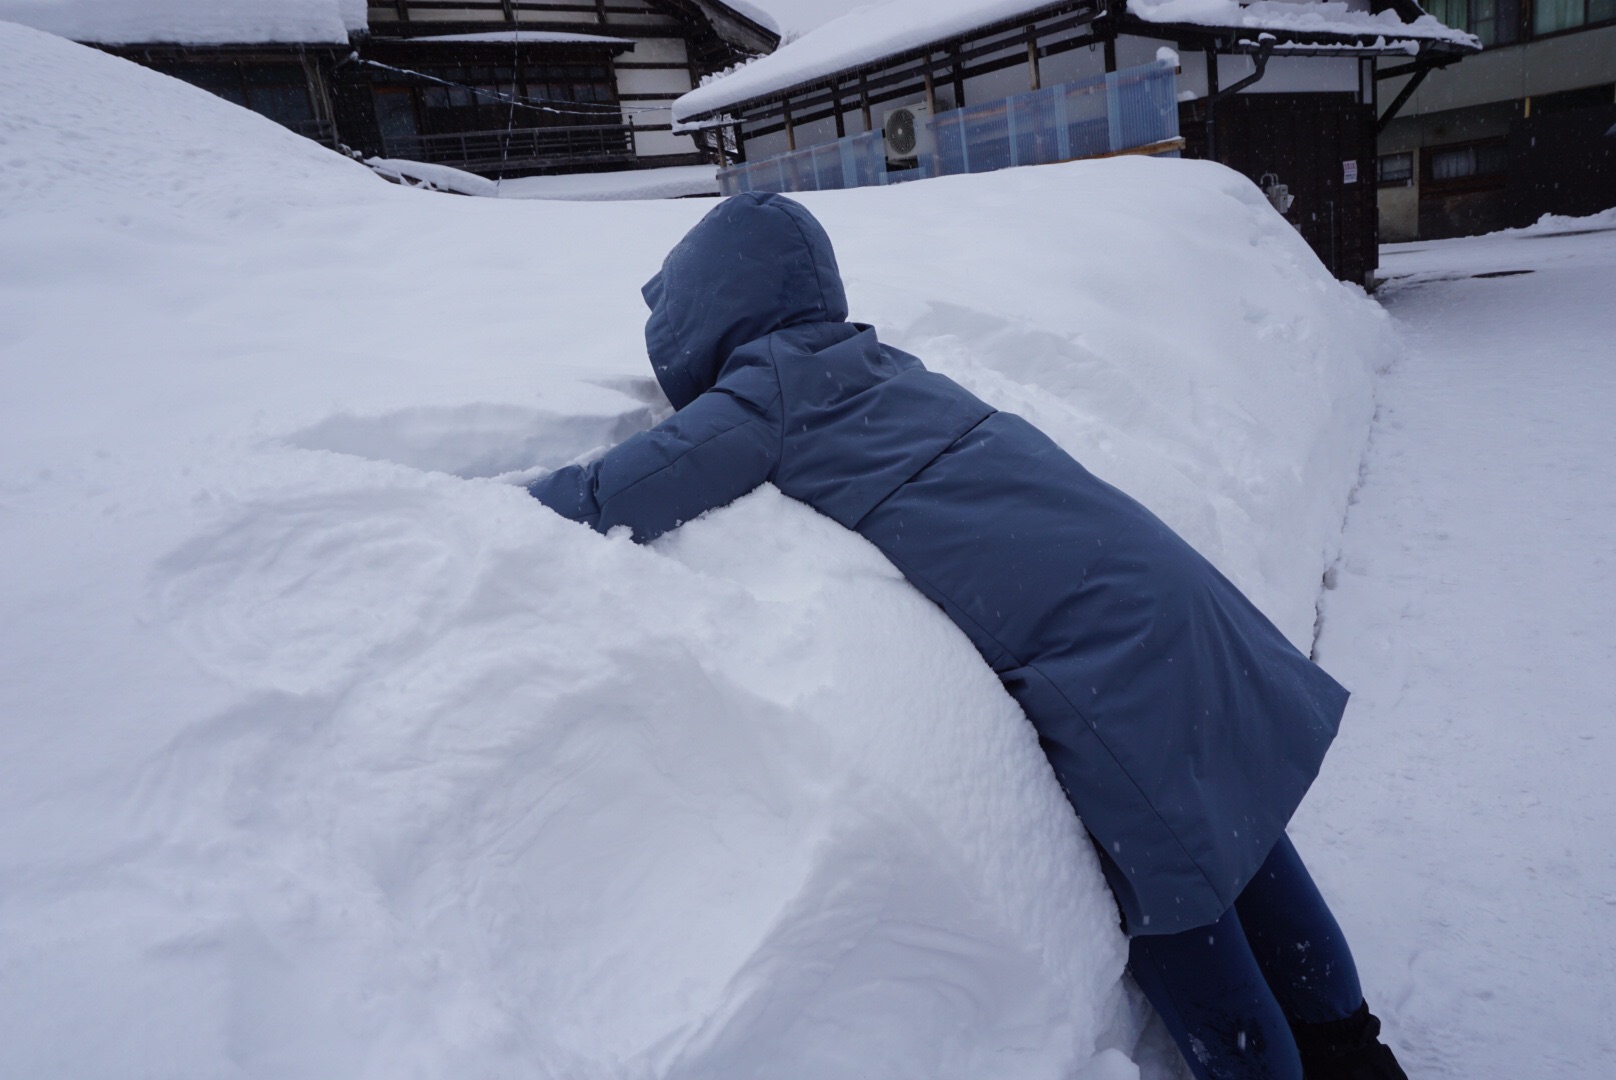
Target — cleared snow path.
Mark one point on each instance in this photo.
(1463, 825)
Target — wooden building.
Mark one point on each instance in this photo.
(535, 85)
(496, 87)
(1286, 96)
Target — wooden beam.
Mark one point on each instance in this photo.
(1034, 76)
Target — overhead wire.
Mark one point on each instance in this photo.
(516, 100)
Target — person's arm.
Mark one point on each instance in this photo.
(711, 452)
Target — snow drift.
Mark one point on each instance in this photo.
(328, 752)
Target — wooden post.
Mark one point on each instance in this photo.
(864, 103)
(931, 91)
(1110, 54)
(791, 132)
(1033, 73)
(836, 104)
(1211, 102)
(959, 77)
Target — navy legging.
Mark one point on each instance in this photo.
(1229, 992)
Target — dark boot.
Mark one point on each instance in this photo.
(1348, 1049)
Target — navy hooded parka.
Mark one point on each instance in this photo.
(1183, 725)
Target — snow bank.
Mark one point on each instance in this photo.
(194, 22)
(327, 753)
(672, 182)
(433, 177)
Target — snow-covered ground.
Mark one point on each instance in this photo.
(325, 752)
(1463, 824)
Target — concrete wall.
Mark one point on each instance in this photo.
(1512, 73)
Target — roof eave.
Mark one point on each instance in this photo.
(1057, 7)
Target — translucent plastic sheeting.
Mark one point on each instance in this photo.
(1107, 114)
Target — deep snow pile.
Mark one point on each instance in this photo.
(323, 753)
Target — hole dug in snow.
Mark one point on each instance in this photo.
(484, 440)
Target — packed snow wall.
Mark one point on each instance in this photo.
(325, 751)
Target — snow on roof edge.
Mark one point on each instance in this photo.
(192, 22)
(746, 9)
(1317, 17)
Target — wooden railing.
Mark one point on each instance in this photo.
(519, 148)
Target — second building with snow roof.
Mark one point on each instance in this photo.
(1285, 93)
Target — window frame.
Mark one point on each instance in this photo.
(1458, 185)
(1406, 180)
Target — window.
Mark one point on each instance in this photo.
(279, 91)
(1477, 166)
(1495, 22)
(1395, 169)
(1481, 160)
(1549, 16)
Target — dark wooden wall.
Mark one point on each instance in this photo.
(1304, 139)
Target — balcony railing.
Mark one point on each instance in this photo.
(1129, 111)
(520, 148)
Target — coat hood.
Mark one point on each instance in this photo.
(756, 264)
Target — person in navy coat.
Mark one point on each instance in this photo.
(1181, 723)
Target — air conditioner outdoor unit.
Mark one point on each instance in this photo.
(907, 134)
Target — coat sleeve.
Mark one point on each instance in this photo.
(711, 452)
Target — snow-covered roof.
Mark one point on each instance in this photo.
(793, 18)
(862, 36)
(528, 37)
(870, 34)
(1310, 17)
(191, 22)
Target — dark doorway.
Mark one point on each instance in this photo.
(1321, 147)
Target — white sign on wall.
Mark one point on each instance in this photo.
(1349, 172)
